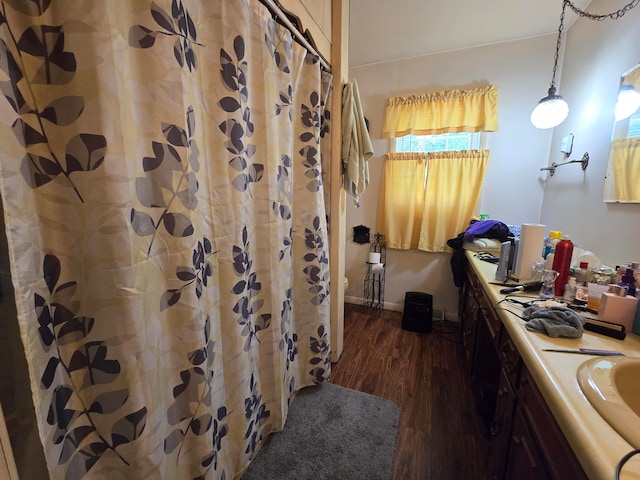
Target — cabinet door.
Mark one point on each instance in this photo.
(490, 317)
(524, 460)
(559, 458)
(501, 429)
(510, 358)
(470, 332)
(469, 322)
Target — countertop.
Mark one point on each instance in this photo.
(597, 446)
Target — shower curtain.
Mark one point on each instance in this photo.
(162, 180)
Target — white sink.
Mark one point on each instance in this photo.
(612, 386)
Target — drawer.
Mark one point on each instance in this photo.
(510, 359)
(491, 318)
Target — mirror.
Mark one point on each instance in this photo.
(622, 181)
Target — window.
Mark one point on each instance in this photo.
(432, 179)
(634, 125)
(445, 142)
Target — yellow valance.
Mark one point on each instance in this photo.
(451, 111)
(406, 156)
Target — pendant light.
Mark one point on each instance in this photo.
(628, 102)
(552, 109)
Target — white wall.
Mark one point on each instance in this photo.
(597, 53)
(512, 192)
(515, 190)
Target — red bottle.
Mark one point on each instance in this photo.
(562, 263)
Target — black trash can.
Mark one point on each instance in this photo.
(417, 315)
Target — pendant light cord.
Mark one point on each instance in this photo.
(558, 41)
(552, 109)
(613, 15)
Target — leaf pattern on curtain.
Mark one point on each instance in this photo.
(160, 179)
(178, 24)
(289, 340)
(193, 413)
(78, 361)
(257, 414)
(317, 270)
(42, 48)
(197, 274)
(247, 289)
(169, 243)
(238, 131)
(280, 46)
(321, 361)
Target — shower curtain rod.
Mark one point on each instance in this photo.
(277, 11)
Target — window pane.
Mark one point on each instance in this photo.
(634, 125)
(446, 142)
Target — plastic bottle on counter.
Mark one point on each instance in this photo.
(550, 242)
(628, 281)
(570, 290)
(620, 271)
(600, 285)
(562, 263)
(582, 274)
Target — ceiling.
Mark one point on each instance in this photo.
(384, 30)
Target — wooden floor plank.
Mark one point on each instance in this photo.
(439, 435)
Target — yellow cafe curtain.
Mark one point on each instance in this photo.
(401, 199)
(626, 168)
(450, 111)
(425, 200)
(454, 184)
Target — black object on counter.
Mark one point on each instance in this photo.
(525, 287)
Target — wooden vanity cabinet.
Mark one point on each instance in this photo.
(501, 428)
(468, 317)
(524, 461)
(526, 440)
(479, 342)
(559, 458)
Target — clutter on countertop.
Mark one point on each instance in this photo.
(476, 229)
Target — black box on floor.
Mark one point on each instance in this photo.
(417, 315)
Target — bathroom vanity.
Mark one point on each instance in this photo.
(539, 422)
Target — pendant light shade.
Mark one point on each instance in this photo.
(550, 111)
(628, 102)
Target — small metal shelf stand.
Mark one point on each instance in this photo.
(374, 282)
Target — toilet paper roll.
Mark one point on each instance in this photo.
(377, 268)
(529, 249)
(374, 257)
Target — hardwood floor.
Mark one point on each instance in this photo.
(439, 434)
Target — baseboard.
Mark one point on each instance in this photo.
(398, 307)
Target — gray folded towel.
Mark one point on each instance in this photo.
(553, 321)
